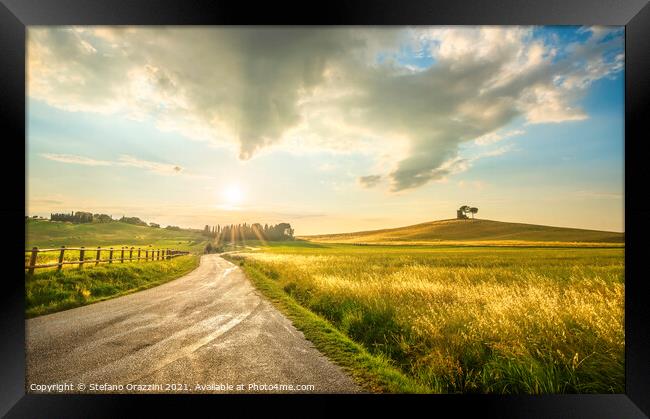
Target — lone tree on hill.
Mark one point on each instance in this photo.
(461, 213)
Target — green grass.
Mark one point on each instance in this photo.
(49, 291)
(457, 319)
(46, 234)
(474, 232)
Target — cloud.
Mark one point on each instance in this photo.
(126, 161)
(72, 159)
(150, 166)
(495, 152)
(494, 137)
(369, 181)
(325, 88)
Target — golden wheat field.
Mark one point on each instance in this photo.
(459, 319)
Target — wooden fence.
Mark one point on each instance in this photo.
(146, 254)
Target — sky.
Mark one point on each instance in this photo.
(332, 129)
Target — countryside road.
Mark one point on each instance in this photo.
(209, 327)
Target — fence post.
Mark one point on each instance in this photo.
(81, 257)
(60, 265)
(158, 254)
(139, 254)
(122, 255)
(98, 256)
(32, 260)
(131, 254)
(146, 255)
(110, 255)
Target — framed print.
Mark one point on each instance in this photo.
(377, 203)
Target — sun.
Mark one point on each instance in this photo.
(233, 194)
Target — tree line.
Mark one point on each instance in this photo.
(255, 231)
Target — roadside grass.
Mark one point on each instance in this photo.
(49, 291)
(457, 320)
(374, 373)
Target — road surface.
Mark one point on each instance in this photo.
(206, 332)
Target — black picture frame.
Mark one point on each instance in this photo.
(15, 15)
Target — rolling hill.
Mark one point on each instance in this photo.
(473, 231)
(47, 234)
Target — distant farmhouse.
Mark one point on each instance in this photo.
(461, 213)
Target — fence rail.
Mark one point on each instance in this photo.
(134, 254)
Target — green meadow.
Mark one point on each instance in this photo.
(47, 234)
(455, 319)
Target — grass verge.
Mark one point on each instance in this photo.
(50, 291)
(373, 373)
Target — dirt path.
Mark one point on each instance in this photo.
(202, 332)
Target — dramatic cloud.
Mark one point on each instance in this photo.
(339, 89)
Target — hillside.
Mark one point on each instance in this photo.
(49, 234)
(473, 231)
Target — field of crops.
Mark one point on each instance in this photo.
(467, 319)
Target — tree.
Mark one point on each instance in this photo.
(133, 220)
(102, 218)
(473, 210)
(73, 217)
(154, 225)
(461, 213)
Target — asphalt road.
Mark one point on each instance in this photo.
(210, 328)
